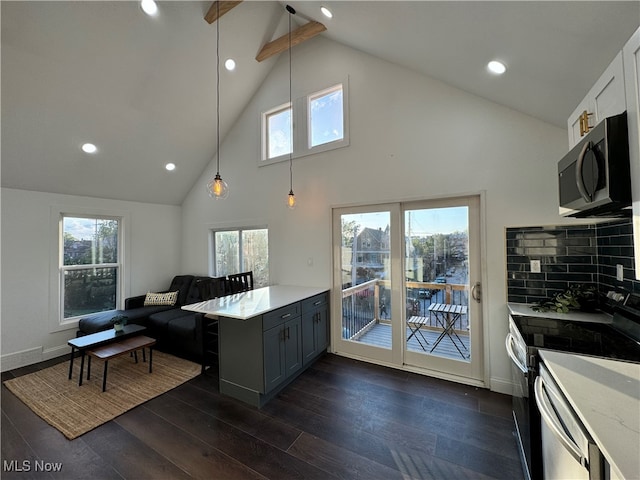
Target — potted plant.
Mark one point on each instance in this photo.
(118, 322)
(576, 297)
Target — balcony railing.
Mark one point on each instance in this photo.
(367, 304)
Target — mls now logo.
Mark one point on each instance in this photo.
(28, 466)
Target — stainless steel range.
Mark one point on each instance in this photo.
(612, 336)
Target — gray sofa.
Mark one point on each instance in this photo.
(176, 331)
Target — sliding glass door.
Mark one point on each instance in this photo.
(408, 278)
(442, 286)
(365, 277)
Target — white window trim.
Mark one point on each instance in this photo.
(265, 132)
(302, 135)
(345, 119)
(57, 322)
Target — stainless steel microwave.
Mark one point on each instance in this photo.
(594, 178)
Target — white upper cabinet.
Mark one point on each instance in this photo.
(631, 58)
(617, 90)
(606, 98)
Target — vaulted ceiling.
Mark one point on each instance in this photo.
(143, 88)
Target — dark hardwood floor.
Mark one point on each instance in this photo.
(340, 419)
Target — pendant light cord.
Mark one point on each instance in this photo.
(291, 11)
(218, 89)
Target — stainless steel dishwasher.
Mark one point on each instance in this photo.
(568, 452)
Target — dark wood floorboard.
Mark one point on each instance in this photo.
(48, 445)
(194, 456)
(341, 419)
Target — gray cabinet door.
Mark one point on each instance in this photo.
(274, 357)
(282, 352)
(315, 336)
(309, 349)
(293, 346)
(322, 329)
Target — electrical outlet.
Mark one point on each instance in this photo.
(620, 272)
(535, 266)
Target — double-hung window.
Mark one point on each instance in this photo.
(90, 265)
(241, 250)
(320, 123)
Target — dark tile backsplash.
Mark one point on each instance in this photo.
(569, 254)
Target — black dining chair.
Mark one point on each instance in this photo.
(240, 282)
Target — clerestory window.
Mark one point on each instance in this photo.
(326, 116)
(320, 123)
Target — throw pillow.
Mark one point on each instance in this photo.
(169, 298)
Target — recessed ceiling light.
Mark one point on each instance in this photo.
(326, 12)
(149, 7)
(89, 148)
(496, 67)
(230, 64)
(170, 166)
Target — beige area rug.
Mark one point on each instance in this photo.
(74, 410)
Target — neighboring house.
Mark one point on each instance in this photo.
(372, 251)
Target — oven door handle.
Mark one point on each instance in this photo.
(557, 430)
(509, 341)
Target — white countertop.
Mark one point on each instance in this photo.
(605, 395)
(256, 302)
(526, 310)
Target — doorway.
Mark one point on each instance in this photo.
(407, 285)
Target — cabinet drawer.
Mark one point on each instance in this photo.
(281, 315)
(314, 302)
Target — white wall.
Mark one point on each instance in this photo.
(411, 137)
(27, 243)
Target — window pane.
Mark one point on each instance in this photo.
(90, 241)
(89, 290)
(227, 255)
(326, 120)
(279, 133)
(255, 250)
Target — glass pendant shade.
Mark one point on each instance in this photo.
(218, 188)
(291, 200)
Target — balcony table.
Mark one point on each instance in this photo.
(446, 315)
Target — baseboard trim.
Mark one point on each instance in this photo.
(23, 358)
(56, 352)
(501, 385)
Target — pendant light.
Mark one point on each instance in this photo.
(291, 198)
(218, 188)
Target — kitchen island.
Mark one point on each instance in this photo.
(267, 337)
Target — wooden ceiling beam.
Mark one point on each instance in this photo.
(299, 35)
(212, 15)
